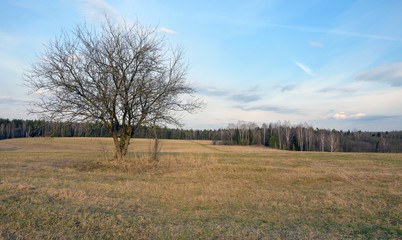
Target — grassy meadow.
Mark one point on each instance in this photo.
(64, 188)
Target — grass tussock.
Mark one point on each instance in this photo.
(195, 190)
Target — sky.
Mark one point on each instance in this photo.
(330, 64)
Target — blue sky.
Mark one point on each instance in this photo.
(331, 64)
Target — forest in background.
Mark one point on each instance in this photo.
(285, 136)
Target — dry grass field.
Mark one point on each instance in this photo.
(65, 188)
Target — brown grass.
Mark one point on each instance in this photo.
(67, 188)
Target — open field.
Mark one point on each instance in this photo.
(64, 188)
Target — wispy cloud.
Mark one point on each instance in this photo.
(243, 97)
(165, 30)
(212, 91)
(316, 44)
(337, 89)
(380, 118)
(272, 108)
(11, 100)
(305, 68)
(286, 88)
(254, 88)
(389, 73)
(361, 117)
(335, 32)
(97, 9)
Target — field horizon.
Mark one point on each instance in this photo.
(67, 188)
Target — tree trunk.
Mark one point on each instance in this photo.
(322, 141)
(333, 141)
(118, 155)
(121, 146)
(155, 150)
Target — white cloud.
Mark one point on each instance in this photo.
(316, 44)
(388, 73)
(340, 115)
(165, 30)
(305, 68)
(358, 115)
(43, 93)
(343, 115)
(97, 9)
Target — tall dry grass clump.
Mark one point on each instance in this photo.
(145, 163)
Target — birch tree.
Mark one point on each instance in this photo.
(333, 141)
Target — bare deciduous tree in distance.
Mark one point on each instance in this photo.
(287, 127)
(122, 75)
(322, 140)
(333, 141)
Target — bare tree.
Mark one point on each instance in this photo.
(287, 127)
(264, 127)
(231, 129)
(300, 135)
(333, 141)
(322, 140)
(279, 126)
(309, 137)
(120, 74)
(253, 138)
(242, 126)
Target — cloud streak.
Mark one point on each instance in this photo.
(389, 73)
(243, 97)
(305, 68)
(379, 118)
(11, 100)
(361, 117)
(165, 30)
(272, 108)
(337, 90)
(334, 32)
(286, 88)
(211, 91)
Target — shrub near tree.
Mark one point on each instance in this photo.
(121, 75)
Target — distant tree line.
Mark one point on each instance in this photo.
(303, 137)
(285, 136)
(39, 128)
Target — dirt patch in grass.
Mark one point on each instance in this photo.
(8, 149)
